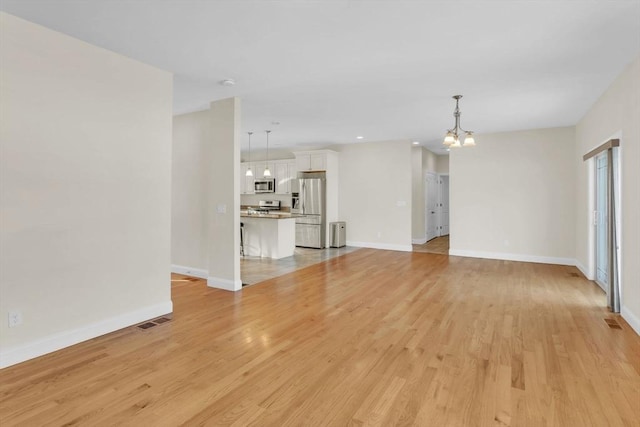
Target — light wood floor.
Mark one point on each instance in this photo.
(371, 337)
(439, 245)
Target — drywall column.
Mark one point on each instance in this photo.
(223, 195)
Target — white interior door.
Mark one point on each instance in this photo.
(601, 222)
(431, 206)
(444, 205)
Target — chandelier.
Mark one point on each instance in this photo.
(452, 139)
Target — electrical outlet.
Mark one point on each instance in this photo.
(379, 234)
(15, 318)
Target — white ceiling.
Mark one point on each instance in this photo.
(331, 70)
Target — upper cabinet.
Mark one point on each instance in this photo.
(285, 174)
(283, 171)
(306, 161)
(317, 160)
(246, 182)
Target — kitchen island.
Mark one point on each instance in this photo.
(270, 235)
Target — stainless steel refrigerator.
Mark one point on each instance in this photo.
(311, 225)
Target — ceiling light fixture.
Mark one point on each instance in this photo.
(227, 82)
(452, 138)
(267, 172)
(415, 143)
(359, 137)
(249, 171)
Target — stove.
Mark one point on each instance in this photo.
(266, 206)
(269, 205)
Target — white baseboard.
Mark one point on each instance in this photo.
(189, 271)
(513, 257)
(420, 241)
(385, 246)
(226, 284)
(631, 319)
(22, 353)
(583, 270)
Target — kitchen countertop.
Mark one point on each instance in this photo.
(278, 215)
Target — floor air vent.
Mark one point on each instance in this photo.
(147, 325)
(613, 324)
(154, 322)
(574, 275)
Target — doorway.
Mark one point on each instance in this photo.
(431, 206)
(436, 215)
(443, 217)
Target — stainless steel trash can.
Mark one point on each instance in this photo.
(338, 234)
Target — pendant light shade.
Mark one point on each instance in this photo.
(249, 171)
(468, 140)
(267, 172)
(449, 139)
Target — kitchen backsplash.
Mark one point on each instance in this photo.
(253, 199)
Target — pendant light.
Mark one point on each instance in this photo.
(452, 139)
(267, 172)
(249, 171)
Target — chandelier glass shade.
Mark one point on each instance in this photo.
(452, 138)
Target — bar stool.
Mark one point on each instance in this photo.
(242, 238)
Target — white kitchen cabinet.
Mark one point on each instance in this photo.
(283, 184)
(311, 161)
(246, 182)
(318, 162)
(293, 176)
(269, 237)
(284, 173)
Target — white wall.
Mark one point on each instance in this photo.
(512, 196)
(375, 178)
(615, 114)
(442, 164)
(260, 154)
(85, 163)
(189, 184)
(206, 167)
(429, 161)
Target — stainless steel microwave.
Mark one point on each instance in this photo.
(264, 185)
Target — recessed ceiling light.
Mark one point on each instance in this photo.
(275, 123)
(415, 143)
(227, 82)
(359, 137)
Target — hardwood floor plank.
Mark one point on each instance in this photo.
(368, 338)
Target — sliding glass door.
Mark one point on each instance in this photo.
(601, 222)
